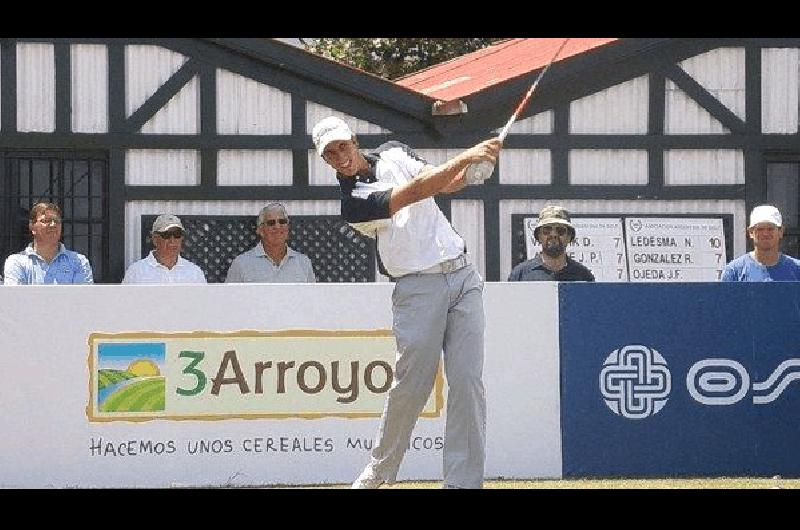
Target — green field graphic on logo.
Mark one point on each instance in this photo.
(129, 377)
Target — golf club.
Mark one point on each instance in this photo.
(477, 173)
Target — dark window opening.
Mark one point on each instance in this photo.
(76, 181)
(783, 191)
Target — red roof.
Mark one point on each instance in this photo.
(489, 66)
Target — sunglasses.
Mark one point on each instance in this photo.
(547, 230)
(170, 235)
(271, 222)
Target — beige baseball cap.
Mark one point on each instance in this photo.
(166, 221)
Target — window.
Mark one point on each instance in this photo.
(76, 181)
(783, 190)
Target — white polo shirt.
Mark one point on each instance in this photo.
(415, 238)
(255, 266)
(149, 270)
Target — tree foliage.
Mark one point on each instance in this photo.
(391, 58)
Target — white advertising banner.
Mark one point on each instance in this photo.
(245, 385)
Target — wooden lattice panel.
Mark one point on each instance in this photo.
(337, 252)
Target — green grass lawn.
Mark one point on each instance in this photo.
(621, 483)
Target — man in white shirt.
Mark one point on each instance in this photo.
(164, 264)
(437, 301)
(271, 260)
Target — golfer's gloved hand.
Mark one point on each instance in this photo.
(477, 173)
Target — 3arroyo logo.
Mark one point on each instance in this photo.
(205, 375)
(635, 381)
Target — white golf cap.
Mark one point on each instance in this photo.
(329, 130)
(765, 214)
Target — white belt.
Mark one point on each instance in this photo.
(447, 266)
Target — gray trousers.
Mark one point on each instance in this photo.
(435, 314)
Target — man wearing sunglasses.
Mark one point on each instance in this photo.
(46, 260)
(164, 264)
(271, 260)
(554, 232)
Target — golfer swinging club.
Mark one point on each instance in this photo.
(437, 301)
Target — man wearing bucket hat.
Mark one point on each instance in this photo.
(765, 263)
(437, 302)
(554, 232)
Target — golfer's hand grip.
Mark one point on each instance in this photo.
(477, 173)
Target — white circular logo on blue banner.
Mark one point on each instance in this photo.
(635, 381)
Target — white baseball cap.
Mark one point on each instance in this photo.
(765, 214)
(329, 130)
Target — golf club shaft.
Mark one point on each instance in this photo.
(477, 173)
(527, 97)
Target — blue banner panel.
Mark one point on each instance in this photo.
(680, 379)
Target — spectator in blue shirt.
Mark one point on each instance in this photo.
(765, 263)
(46, 260)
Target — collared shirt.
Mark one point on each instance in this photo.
(255, 266)
(534, 270)
(416, 237)
(29, 268)
(149, 270)
(746, 269)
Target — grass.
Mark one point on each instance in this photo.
(616, 483)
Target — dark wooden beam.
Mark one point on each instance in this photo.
(162, 95)
(704, 98)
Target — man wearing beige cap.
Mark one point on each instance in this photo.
(766, 263)
(554, 232)
(437, 302)
(164, 264)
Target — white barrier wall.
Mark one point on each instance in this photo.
(47, 439)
